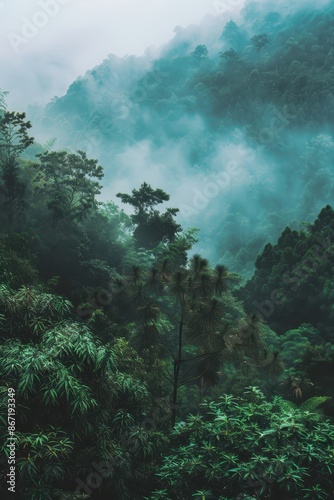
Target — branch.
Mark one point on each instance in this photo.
(202, 355)
(165, 344)
(192, 379)
(163, 310)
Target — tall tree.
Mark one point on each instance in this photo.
(205, 320)
(68, 182)
(152, 226)
(14, 139)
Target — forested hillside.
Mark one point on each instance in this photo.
(234, 105)
(166, 271)
(111, 337)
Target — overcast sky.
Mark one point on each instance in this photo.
(46, 44)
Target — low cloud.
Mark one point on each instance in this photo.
(46, 44)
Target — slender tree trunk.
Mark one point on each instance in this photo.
(177, 365)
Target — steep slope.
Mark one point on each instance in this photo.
(235, 120)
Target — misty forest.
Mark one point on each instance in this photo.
(166, 265)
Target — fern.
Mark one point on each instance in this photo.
(313, 404)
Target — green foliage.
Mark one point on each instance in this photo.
(249, 446)
(295, 271)
(66, 180)
(113, 212)
(273, 87)
(14, 139)
(291, 289)
(90, 390)
(17, 264)
(152, 226)
(77, 400)
(312, 404)
(29, 312)
(190, 314)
